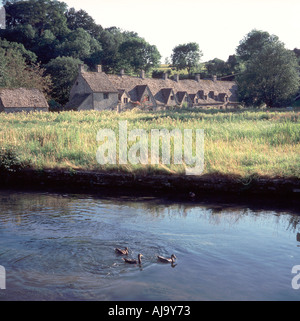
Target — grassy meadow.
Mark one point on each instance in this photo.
(245, 142)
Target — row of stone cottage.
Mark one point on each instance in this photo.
(100, 91)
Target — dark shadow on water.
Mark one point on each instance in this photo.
(214, 201)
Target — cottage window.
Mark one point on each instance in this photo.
(105, 95)
(146, 98)
(201, 94)
(172, 97)
(125, 100)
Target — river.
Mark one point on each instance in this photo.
(61, 247)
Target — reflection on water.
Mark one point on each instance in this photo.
(61, 247)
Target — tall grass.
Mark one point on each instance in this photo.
(245, 142)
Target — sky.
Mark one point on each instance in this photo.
(216, 25)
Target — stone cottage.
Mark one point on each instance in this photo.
(93, 90)
(99, 91)
(22, 99)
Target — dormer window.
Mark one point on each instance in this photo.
(105, 95)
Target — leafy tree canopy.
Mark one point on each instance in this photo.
(81, 19)
(136, 54)
(40, 14)
(186, 56)
(29, 56)
(15, 72)
(78, 44)
(63, 72)
(270, 77)
(253, 42)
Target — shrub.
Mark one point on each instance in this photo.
(9, 160)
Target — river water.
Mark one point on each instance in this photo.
(61, 247)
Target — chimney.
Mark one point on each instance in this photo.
(197, 77)
(81, 68)
(122, 72)
(214, 78)
(176, 77)
(142, 74)
(99, 68)
(165, 76)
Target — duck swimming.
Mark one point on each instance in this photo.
(123, 252)
(134, 261)
(166, 259)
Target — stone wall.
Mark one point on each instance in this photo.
(80, 87)
(102, 103)
(87, 104)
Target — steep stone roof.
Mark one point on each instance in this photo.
(99, 82)
(166, 93)
(181, 95)
(140, 90)
(158, 86)
(22, 98)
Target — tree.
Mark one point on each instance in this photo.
(253, 42)
(220, 67)
(270, 76)
(45, 46)
(297, 53)
(40, 14)
(186, 56)
(15, 72)
(136, 54)
(216, 67)
(29, 56)
(78, 44)
(110, 43)
(81, 19)
(63, 71)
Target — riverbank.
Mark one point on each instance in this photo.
(174, 186)
(247, 152)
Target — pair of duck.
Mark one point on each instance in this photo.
(139, 260)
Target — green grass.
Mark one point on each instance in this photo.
(244, 142)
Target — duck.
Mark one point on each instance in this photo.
(123, 252)
(134, 261)
(166, 259)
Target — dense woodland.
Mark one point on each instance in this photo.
(44, 41)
